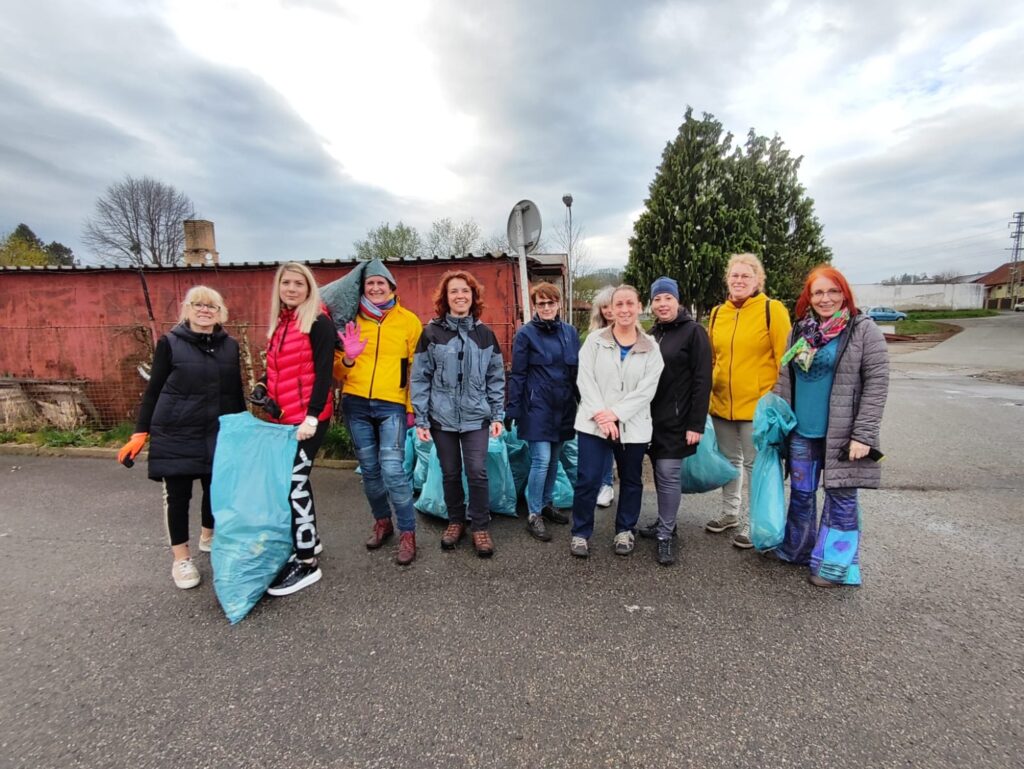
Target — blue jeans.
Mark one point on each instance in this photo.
(608, 478)
(540, 483)
(629, 458)
(378, 435)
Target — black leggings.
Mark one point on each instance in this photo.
(177, 496)
(301, 497)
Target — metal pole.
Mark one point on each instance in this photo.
(524, 281)
(567, 199)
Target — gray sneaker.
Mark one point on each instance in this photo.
(579, 547)
(742, 540)
(624, 542)
(721, 523)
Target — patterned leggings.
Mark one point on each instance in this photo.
(831, 548)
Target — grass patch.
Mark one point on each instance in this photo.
(919, 327)
(338, 443)
(943, 314)
(59, 439)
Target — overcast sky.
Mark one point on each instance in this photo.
(297, 125)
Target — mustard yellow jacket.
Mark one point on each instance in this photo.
(382, 369)
(745, 353)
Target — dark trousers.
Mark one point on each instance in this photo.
(593, 454)
(177, 497)
(301, 496)
(473, 456)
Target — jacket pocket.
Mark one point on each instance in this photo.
(403, 374)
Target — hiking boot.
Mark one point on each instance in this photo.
(205, 544)
(605, 496)
(624, 543)
(721, 523)
(452, 535)
(295, 576)
(535, 525)
(666, 554)
(742, 540)
(382, 531)
(579, 547)
(406, 548)
(553, 514)
(185, 574)
(651, 532)
(483, 544)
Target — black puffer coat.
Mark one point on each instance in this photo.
(684, 389)
(195, 379)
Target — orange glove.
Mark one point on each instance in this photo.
(130, 450)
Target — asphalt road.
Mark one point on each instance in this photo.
(535, 659)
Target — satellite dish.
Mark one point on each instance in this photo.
(529, 236)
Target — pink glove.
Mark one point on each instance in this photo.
(350, 340)
(410, 419)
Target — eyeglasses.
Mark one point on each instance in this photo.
(832, 293)
(204, 306)
(546, 304)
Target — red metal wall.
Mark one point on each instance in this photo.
(92, 324)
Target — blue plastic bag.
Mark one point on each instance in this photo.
(252, 470)
(424, 450)
(773, 421)
(501, 489)
(707, 469)
(518, 458)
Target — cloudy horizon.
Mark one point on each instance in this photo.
(298, 125)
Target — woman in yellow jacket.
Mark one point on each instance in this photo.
(748, 337)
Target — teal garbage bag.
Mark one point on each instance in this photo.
(424, 451)
(518, 458)
(409, 463)
(501, 490)
(252, 470)
(707, 469)
(773, 421)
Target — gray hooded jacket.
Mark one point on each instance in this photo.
(855, 404)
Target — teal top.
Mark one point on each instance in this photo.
(812, 391)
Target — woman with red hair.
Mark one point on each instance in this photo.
(458, 397)
(835, 376)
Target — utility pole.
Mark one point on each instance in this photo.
(1015, 278)
(567, 200)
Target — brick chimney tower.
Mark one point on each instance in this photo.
(200, 244)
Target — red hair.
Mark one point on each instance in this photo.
(830, 273)
(441, 306)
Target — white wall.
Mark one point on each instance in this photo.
(922, 296)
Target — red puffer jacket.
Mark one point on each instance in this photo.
(291, 371)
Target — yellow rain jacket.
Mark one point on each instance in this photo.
(747, 344)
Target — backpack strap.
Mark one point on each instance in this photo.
(714, 314)
(768, 315)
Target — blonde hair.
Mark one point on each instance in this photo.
(305, 313)
(752, 262)
(602, 299)
(205, 295)
(626, 287)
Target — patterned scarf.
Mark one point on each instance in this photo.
(375, 312)
(812, 335)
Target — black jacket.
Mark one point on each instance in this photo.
(684, 390)
(194, 380)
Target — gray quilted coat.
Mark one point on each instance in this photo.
(855, 404)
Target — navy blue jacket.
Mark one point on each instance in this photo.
(542, 394)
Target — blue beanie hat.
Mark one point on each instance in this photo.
(665, 285)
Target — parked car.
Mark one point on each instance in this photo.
(885, 314)
(1019, 307)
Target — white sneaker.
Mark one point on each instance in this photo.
(185, 574)
(624, 542)
(605, 496)
(205, 545)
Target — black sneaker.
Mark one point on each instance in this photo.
(651, 532)
(666, 551)
(294, 576)
(535, 525)
(553, 514)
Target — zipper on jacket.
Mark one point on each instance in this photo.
(732, 357)
(376, 355)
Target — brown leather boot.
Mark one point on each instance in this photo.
(382, 531)
(452, 535)
(483, 544)
(406, 548)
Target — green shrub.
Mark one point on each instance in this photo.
(80, 436)
(338, 443)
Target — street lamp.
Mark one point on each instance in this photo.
(567, 199)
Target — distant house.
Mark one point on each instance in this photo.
(1003, 286)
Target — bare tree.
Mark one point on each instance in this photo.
(574, 244)
(449, 239)
(138, 222)
(387, 242)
